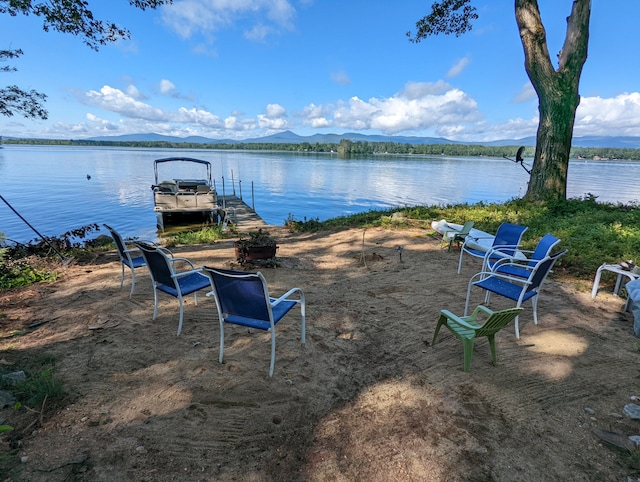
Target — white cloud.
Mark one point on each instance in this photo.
(458, 67)
(619, 116)
(417, 107)
(275, 117)
(132, 91)
(115, 100)
(166, 86)
(275, 110)
(258, 33)
(416, 90)
(341, 78)
(191, 17)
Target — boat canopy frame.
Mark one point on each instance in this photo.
(181, 159)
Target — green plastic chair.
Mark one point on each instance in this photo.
(467, 329)
(456, 236)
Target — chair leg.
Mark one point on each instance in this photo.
(303, 336)
(155, 303)
(273, 353)
(466, 303)
(492, 346)
(468, 353)
(181, 313)
(442, 320)
(460, 262)
(487, 297)
(221, 341)
(122, 275)
(133, 282)
(534, 306)
(515, 322)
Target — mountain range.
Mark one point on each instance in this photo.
(288, 137)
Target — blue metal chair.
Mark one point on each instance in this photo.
(501, 261)
(507, 238)
(165, 278)
(242, 298)
(126, 258)
(515, 288)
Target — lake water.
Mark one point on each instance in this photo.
(48, 185)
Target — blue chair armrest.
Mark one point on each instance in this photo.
(285, 297)
(174, 260)
(187, 273)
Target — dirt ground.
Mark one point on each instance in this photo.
(368, 398)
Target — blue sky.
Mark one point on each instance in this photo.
(236, 69)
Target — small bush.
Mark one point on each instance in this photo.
(37, 388)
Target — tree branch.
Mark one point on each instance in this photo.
(574, 50)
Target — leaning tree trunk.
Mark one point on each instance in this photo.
(557, 91)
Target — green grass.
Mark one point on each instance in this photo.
(594, 233)
(206, 235)
(40, 383)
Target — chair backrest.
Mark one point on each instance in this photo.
(158, 263)
(542, 269)
(508, 235)
(117, 239)
(466, 228)
(543, 249)
(497, 321)
(240, 293)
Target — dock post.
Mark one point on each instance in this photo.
(233, 184)
(240, 186)
(224, 196)
(253, 206)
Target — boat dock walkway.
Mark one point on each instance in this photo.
(241, 213)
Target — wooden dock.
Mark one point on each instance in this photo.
(241, 214)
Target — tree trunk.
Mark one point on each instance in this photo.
(557, 91)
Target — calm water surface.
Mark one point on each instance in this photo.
(49, 186)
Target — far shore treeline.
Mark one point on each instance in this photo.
(348, 148)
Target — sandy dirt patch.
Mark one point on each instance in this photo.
(368, 398)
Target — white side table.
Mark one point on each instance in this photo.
(614, 268)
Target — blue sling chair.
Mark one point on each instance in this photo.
(515, 288)
(507, 238)
(242, 298)
(165, 278)
(127, 257)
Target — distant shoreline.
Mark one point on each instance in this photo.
(346, 148)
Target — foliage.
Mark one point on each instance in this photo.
(304, 225)
(39, 387)
(19, 266)
(19, 274)
(256, 238)
(445, 19)
(75, 18)
(40, 383)
(13, 99)
(65, 243)
(206, 235)
(65, 16)
(351, 148)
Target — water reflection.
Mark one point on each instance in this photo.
(49, 185)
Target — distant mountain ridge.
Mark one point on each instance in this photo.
(288, 137)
